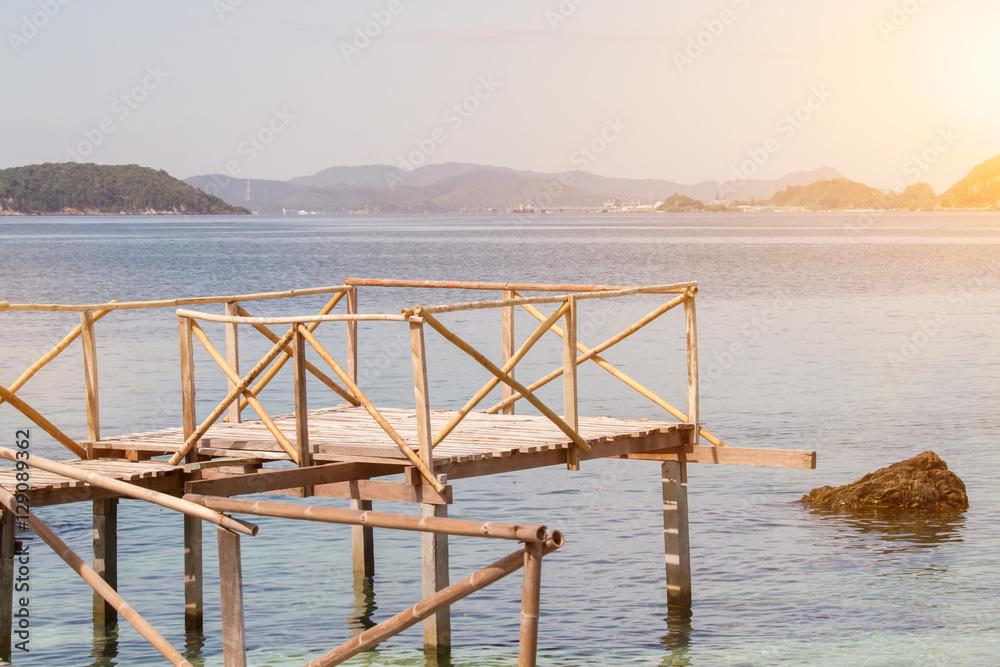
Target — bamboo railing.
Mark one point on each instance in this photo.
(293, 341)
(245, 389)
(92, 313)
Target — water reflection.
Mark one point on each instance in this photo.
(194, 647)
(363, 607)
(900, 532)
(677, 638)
(439, 658)
(104, 649)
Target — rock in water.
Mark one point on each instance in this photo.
(921, 485)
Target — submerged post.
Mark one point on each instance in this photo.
(105, 562)
(362, 545)
(193, 574)
(676, 536)
(8, 542)
(362, 537)
(433, 546)
(530, 603)
(234, 651)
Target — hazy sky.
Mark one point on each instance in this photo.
(887, 91)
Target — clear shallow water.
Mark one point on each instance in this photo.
(866, 339)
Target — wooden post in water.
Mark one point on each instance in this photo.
(234, 650)
(433, 546)
(362, 544)
(362, 537)
(234, 414)
(507, 349)
(301, 405)
(8, 534)
(531, 593)
(105, 511)
(105, 562)
(676, 536)
(194, 605)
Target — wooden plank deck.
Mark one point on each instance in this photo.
(348, 433)
(51, 489)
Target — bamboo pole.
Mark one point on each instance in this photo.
(507, 346)
(597, 349)
(404, 447)
(570, 411)
(283, 359)
(173, 303)
(628, 380)
(233, 394)
(352, 334)
(691, 336)
(490, 286)
(235, 415)
(303, 454)
(94, 580)
(430, 605)
(47, 426)
(508, 368)
(54, 352)
(323, 514)
(254, 403)
(194, 571)
(530, 604)
(90, 377)
(458, 342)
(524, 300)
(121, 488)
(421, 395)
(290, 319)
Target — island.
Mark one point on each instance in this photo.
(72, 188)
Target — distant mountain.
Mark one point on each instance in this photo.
(72, 188)
(455, 186)
(917, 197)
(831, 195)
(980, 189)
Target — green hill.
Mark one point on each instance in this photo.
(678, 203)
(979, 189)
(71, 188)
(832, 195)
(917, 197)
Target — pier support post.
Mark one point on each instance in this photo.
(194, 604)
(8, 534)
(105, 562)
(234, 649)
(434, 557)
(362, 544)
(675, 535)
(531, 595)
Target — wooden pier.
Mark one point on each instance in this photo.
(343, 445)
